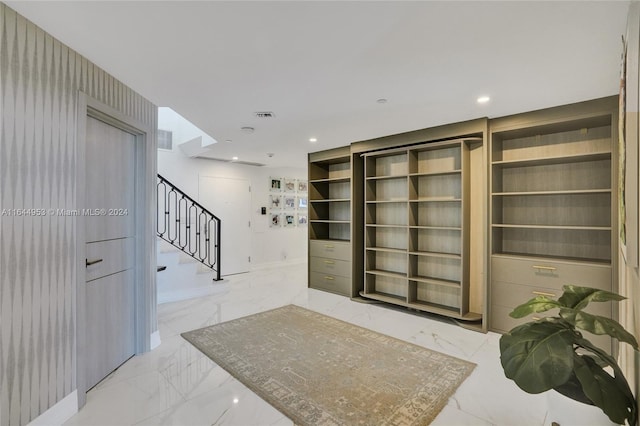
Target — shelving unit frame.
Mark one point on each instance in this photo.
(416, 220)
(553, 204)
(330, 201)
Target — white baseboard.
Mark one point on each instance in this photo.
(155, 340)
(59, 413)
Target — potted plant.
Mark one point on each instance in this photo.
(551, 353)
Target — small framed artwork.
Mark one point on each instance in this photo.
(275, 220)
(289, 220)
(302, 202)
(275, 184)
(302, 186)
(290, 185)
(302, 219)
(289, 202)
(275, 202)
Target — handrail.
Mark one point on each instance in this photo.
(187, 225)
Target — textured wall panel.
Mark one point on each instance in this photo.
(39, 83)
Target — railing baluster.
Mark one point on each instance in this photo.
(185, 224)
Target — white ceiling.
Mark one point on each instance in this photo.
(321, 66)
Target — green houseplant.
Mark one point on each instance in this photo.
(551, 353)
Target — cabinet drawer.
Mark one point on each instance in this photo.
(330, 249)
(330, 266)
(549, 274)
(332, 283)
(511, 295)
(117, 255)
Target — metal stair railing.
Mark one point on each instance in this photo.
(186, 225)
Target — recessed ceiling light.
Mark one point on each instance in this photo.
(236, 400)
(382, 101)
(247, 129)
(313, 140)
(234, 158)
(483, 99)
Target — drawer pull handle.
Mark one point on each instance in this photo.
(329, 246)
(544, 268)
(92, 262)
(329, 278)
(329, 262)
(542, 293)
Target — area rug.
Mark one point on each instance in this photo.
(318, 370)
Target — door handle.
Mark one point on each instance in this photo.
(92, 262)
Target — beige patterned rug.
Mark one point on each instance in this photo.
(319, 370)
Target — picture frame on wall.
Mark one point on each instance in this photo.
(302, 202)
(302, 186)
(302, 220)
(289, 220)
(275, 202)
(275, 184)
(289, 185)
(289, 202)
(275, 220)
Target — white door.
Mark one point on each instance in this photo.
(230, 200)
(110, 247)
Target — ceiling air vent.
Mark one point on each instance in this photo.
(264, 114)
(165, 139)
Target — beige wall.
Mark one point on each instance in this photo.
(39, 83)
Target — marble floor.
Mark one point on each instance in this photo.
(176, 385)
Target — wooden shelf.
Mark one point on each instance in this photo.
(331, 200)
(387, 201)
(435, 281)
(560, 159)
(444, 228)
(386, 250)
(438, 173)
(331, 180)
(345, 222)
(436, 200)
(386, 273)
(436, 254)
(562, 192)
(559, 227)
(386, 177)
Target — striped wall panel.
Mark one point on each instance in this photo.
(39, 83)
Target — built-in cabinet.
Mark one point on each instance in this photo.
(417, 227)
(553, 205)
(330, 221)
(470, 219)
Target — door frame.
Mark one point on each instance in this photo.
(144, 220)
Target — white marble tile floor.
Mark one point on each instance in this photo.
(175, 384)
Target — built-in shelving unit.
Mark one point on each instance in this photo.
(330, 220)
(417, 227)
(553, 207)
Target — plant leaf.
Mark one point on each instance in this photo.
(576, 297)
(535, 305)
(598, 325)
(602, 389)
(538, 356)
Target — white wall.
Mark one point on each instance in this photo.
(268, 245)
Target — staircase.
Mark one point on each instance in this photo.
(187, 226)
